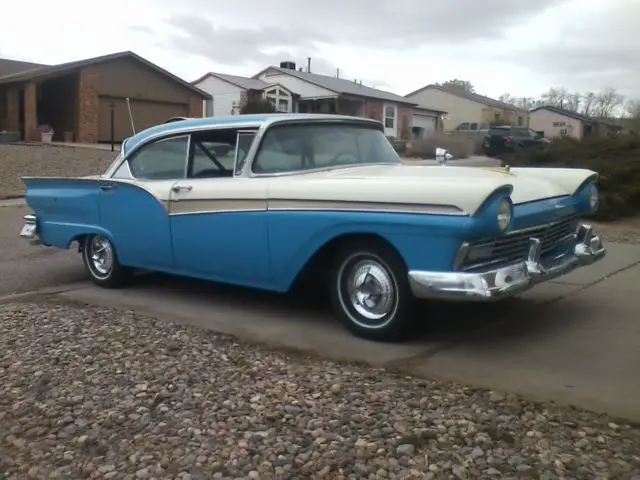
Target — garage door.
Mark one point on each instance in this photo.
(427, 124)
(145, 114)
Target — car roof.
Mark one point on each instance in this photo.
(232, 121)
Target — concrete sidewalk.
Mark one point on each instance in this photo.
(575, 341)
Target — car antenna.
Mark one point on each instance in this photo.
(131, 116)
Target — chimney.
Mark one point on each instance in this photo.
(337, 73)
(288, 65)
(309, 64)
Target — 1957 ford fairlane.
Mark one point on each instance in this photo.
(266, 200)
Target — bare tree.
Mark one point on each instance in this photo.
(632, 109)
(607, 102)
(573, 102)
(556, 96)
(459, 84)
(507, 98)
(588, 103)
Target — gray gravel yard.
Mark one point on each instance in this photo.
(96, 393)
(47, 160)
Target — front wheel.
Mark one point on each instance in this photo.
(101, 262)
(371, 293)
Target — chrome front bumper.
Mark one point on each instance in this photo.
(509, 280)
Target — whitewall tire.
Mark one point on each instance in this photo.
(101, 262)
(370, 292)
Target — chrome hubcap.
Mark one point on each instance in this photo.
(101, 255)
(371, 290)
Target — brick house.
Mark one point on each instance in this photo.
(77, 98)
(293, 90)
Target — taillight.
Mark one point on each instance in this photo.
(508, 139)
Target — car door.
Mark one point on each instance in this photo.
(219, 223)
(134, 206)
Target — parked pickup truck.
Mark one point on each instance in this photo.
(505, 139)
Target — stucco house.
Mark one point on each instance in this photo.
(467, 107)
(77, 99)
(558, 122)
(294, 90)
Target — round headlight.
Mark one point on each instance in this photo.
(504, 215)
(594, 196)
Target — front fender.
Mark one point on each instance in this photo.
(426, 242)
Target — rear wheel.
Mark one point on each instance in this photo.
(371, 293)
(101, 262)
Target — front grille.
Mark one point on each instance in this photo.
(515, 246)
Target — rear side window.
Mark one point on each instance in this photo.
(163, 160)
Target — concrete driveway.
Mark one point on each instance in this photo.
(574, 341)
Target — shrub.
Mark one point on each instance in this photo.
(617, 161)
(257, 106)
(459, 145)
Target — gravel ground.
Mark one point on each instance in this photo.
(620, 231)
(96, 393)
(47, 160)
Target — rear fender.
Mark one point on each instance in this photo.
(65, 208)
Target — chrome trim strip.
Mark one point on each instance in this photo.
(229, 205)
(222, 205)
(343, 205)
(509, 280)
(188, 158)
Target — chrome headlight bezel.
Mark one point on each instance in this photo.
(504, 214)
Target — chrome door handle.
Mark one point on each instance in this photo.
(182, 188)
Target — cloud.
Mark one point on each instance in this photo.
(371, 23)
(591, 49)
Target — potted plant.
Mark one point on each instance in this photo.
(46, 133)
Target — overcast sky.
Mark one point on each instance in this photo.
(518, 46)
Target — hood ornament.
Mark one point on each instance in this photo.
(443, 156)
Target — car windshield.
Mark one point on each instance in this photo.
(296, 147)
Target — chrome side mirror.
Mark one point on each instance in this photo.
(443, 155)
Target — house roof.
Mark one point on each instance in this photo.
(429, 110)
(8, 67)
(566, 113)
(474, 97)
(341, 85)
(45, 71)
(242, 82)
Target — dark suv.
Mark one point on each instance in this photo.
(506, 139)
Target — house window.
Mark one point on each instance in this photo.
(564, 131)
(520, 121)
(280, 98)
(389, 117)
(559, 124)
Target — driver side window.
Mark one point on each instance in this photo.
(162, 160)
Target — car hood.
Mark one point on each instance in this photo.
(464, 187)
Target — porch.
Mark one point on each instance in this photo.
(27, 108)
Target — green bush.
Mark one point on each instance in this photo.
(617, 161)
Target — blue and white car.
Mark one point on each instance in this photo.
(268, 201)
